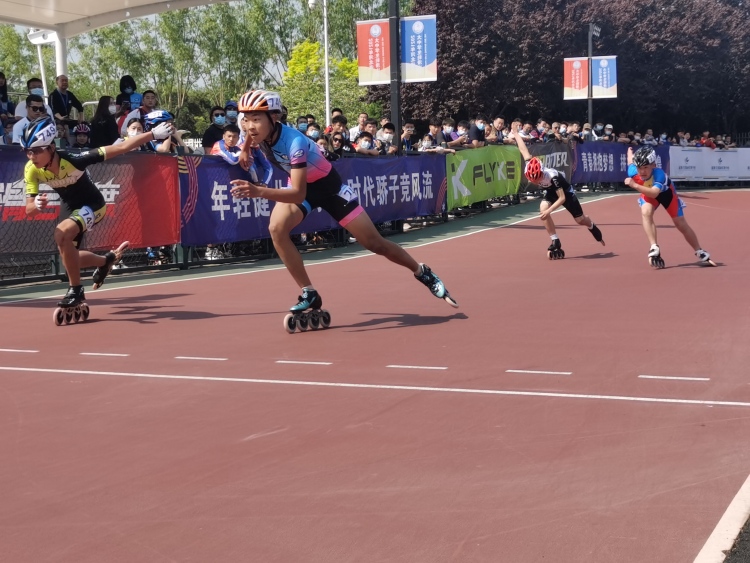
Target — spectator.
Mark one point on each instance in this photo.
(387, 146)
(587, 135)
(637, 139)
(707, 141)
(476, 133)
(649, 139)
(495, 131)
(623, 138)
(335, 112)
(407, 143)
(664, 138)
(574, 132)
(313, 131)
(462, 133)
(302, 124)
(128, 94)
(230, 109)
(728, 143)
(63, 101)
(104, 130)
(81, 133)
(383, 121)
(598, 130)
(215, 132)
(445, 137)
(227, 147)
(719, 140)
(310, 118)
(36, 108)
(554, 133)
(525, 133)
(425, 144)
(34, 86)
(355, 131)
(366, 144)
(609, 135)
(148, 104)
(283, 115)
(338, 125)
(6, 106)
(435, 126)
(133, 128)
(340, 144)
(324, 143)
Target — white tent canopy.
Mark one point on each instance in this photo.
(73, 17)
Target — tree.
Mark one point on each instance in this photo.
(303, 89)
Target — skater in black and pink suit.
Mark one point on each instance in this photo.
(557, 193)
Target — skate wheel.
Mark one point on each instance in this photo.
(290, 324)
(710, 263)
(85, 311)
(68, 316)
(302, 324)
(450, 300)
(315, 320)
(77, 314)
(58, 316)
(325, 319)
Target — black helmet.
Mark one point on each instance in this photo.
(644, 156)
(39, 133)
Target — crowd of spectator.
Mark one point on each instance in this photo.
(115, 116)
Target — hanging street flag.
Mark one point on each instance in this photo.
(576, 78)
(418, 49)
(604, 77)
(374, 52)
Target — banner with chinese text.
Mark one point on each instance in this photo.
(576, 78)
(418, 49)
(604, 77)
(374, 52)
(607, 162)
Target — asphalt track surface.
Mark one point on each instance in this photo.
(587, 409)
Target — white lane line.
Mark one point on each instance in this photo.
(726, 531)
(201, 359)
(539, 372)
(104, 354)
(394, 366)
(304, 363)
(19, 351)
(456, 390)
(268, 268)
(673, 378)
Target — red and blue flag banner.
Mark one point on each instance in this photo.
(419, 49)
(576, 78)
(374, 52)
(604, 77)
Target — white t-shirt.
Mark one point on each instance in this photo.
(18, 130)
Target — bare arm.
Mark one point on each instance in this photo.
(521, 145)
(295, 194)
(127, 145)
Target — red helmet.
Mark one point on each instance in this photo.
(533, 170)
(260, 100)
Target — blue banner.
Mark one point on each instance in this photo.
(388, 188)
(604, 77)
(418, 49)
(600, 161)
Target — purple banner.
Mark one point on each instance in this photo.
(607, 162)
(388, 188)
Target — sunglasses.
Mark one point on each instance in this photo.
(337, 140)
(35, 150)
(220, 115)
(36, 108)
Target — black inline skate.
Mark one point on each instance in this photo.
(307, 313)
(437, 287)
(654, 257)
(555, 251)
(71, 308)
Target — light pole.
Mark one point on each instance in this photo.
(594, 31)
(311, 4)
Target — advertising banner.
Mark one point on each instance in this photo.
(481, 174)
(576, 78)
(418, 49)
(141, 193)
(700, 163)
(374, 52)
(607, 162)
(604, 77)
(388, 188)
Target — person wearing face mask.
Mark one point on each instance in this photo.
(215, 131)
(230, 108)
(587, 134)
(477, 133)
(461, 134)
(366, 144)
(34, 86)
(608, 135)
(128, 94)
(539, 134)
(313, 131)
(407, 143)
(387, 146)
(637, 140)
(445, 138)
(302, 124)
(103, 125)
(598, 130)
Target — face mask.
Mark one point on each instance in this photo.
(134, 133)
(128, 90)
(608, 131)
(37, 91)
(232, 114)
(637, 137)
(220, 120)
(480, 126)
(540, 129)
(388, 137)
(461, 132)
(563, 130)
(599, 127)
(314, 134)
(663, 137)
(302, 127)
(448, 130)
(113, 109)
(365, 144)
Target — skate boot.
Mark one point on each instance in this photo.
(101, 273)
(704, 257)
(72, 307)
(307, 313)
(654, 257)
(437, 287)
(555, 251)
(596, 233)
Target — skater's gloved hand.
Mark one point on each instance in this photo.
(40, 201)
(162, 131)
(243, 188)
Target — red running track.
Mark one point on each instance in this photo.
(241, 458)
